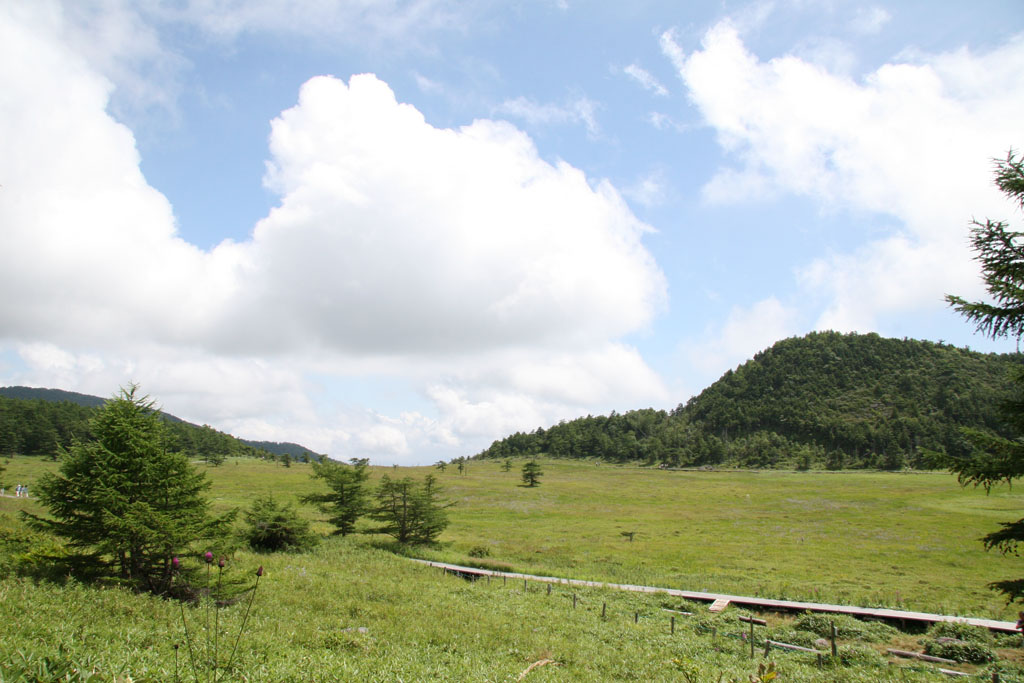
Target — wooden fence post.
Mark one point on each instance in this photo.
(636, 617)
(574, 601)
(672, 626)
(832, 631)
(604, 606)
(549, 589)
(524, 586)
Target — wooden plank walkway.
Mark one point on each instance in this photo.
(754, 603)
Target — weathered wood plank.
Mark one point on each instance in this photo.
(920, 655)
(719, 605)
(798, 648)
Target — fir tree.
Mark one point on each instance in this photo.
(532, 473)
(996, 459)
(410, 512)
(346, 500)
(125, 503)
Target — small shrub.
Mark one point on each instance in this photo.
(1003, 668)
(960, 651)
(479, 551)
(847, 627)
(1007, 640)
(859, 655)
(273, 527)
(794, 637)
(961, 631)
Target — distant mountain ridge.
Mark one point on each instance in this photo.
(42, 440)
(823, 400)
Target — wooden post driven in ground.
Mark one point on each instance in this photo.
(672, 625)
(574, 601)
(549, 589)
(752, 621)
(832, 631)
(604, 606)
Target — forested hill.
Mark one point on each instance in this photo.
(36, 421)
(823, 400)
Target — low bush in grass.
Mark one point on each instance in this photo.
(847, 627)
(961, 642)
(961, 631)
(1008, 640)
(856, 655)
(272, 527)
(960, 651)
(794, 637)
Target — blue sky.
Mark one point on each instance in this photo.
(401, 230)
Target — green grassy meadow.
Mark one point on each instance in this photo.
(897, 540)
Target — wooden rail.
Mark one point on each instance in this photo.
(753, 603)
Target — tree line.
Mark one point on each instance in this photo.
(825, 400)
(42, 426)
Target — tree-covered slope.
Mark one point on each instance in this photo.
(826, 399)
(36, 421)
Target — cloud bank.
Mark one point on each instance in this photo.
(912, 140)
(498, 282)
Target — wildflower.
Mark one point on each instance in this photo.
(175, 563)
(220, 562)
(208, 557)
(259, 572)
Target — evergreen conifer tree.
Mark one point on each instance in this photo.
(346, 501)
(123, 501)
(532, 473)
(996, 459)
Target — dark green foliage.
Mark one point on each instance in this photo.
(795, 637)
(826, 400)
(410, 512)
(38, 427)
(280, 448)
(272, 527)
(532, 473)
(124, 503)
(43, 421)
(1002, 263)
(961, 631)
(999, 457)
(859, 655)
(346, 501)
(960, 651)
(847, 627)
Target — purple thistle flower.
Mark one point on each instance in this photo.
(259, 572)
(220, 562)
(175, 563)
(208, 557)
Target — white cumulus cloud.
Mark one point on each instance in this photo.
(913, 140)
(449, 257)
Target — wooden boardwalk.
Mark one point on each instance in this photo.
(753, 603)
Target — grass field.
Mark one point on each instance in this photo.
(899, 540)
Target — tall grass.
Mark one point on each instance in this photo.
(352, 611)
